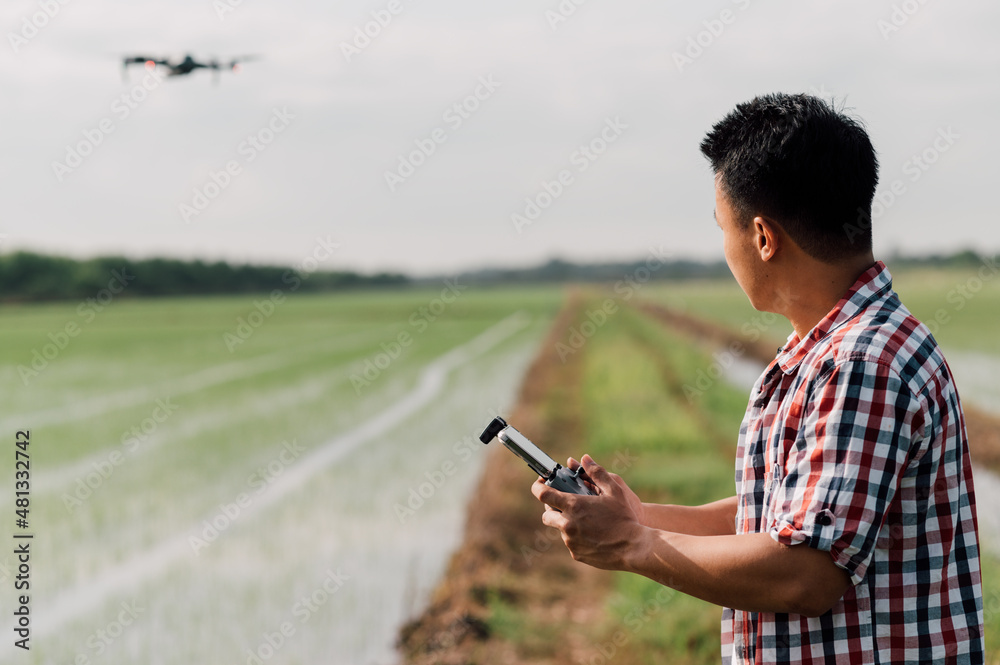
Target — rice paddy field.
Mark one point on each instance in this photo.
(290, 497)
(214, 486)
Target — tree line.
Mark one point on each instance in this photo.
(28, 276)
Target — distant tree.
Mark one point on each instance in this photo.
(28, 276)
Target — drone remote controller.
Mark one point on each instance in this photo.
(555, 474)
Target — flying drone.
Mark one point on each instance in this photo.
(185, 66)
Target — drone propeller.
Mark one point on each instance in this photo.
(143, 59)
(213, 64)
(234, 64)
(139, 59)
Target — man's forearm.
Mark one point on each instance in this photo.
(712, 519)
(746, 571)
(749, 572)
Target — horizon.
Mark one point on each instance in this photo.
(710, 262)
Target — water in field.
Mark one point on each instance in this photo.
(978, 378)
(976, 375)
(193, 506)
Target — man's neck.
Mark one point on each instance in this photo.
(810, 294)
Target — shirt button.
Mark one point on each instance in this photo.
(823, 519)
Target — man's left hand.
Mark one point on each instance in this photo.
(597, 530)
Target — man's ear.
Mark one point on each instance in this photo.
(766, 238)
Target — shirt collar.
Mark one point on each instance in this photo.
(870, 286)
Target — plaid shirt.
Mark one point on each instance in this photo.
(854, 443)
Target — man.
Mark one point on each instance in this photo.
(852, 537)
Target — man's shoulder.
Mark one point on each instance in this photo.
(885, 333)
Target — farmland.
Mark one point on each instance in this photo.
(259, 480)
(231, 494)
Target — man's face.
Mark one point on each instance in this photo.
(738, 245)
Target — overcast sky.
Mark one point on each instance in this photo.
(925, 83)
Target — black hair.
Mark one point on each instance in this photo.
(802, 163)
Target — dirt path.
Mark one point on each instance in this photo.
(552, 600)
(983, 428)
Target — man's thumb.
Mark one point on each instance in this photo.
(598, 474)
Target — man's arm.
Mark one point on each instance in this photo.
(748, 572)
(712, 519)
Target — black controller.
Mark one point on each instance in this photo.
(555, 474)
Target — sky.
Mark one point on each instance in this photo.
(460, 135)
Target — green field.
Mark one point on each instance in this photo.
(144, 424)
(962, 310)
(680, 453)
(339, 494)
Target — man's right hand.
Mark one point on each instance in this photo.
(633, 500)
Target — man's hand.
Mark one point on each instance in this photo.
(597, 530)
(637, 505)
(706, 560)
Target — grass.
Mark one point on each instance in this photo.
(962, 310)
(290, 380)
(673, 452)
(508, 622)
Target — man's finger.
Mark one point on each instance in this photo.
(554, 519)
(573, 465)
(600, 476)
(551, 497)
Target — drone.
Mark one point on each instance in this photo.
(185, 66)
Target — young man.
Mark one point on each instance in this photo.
(852, 537)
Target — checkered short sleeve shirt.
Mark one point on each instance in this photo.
(854, 443)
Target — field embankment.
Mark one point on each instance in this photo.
(509, 575)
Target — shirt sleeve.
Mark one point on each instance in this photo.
(846, 463)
